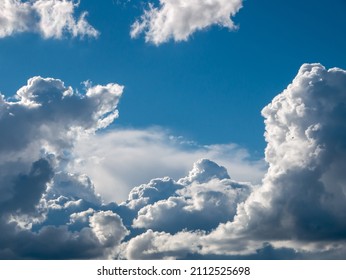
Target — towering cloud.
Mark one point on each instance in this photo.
(298, 210)
(179, 19)
(49, 18)
(300, 205)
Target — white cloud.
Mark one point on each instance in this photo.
(50, 118)
(179, 19)
(15, 16)
(300, 207)
(74, 187)
(206, 198)
(81, 216)
(42, 123)
(49, 18)
(108, 227)
(153, 153)
(160, 245)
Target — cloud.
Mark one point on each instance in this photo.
(113, 155)
(49, 202)
(160, 245)
(46, 195)
(206, 198)
(58, 242)
(49, 117)
(74, 187)
(49, 18)
(178, 20)
(108, 228)
(300, 207)
(40, 200)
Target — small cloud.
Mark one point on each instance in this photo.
(178, 20)
(49, 18)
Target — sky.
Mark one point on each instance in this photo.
(172, 129)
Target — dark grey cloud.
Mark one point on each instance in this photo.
(26, 190)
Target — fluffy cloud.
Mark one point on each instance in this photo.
(301, 203)
(303, 192)
(58, 242)
(49, 18)
(178, 19)
(160, 245)
(299, 208)
(108, 228)
(116, 153)
(50, 210)
(206, 198)
(44, 196)
(38, 194)
(49, 117)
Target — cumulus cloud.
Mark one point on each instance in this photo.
(303, 192)
(49, 117)
(46, 195)
(160, 245)
(300, 206)
(74, 187)
(116, 153)
(38, 195)
(49, 18)
(50, 210)
(108, 228)
(179, 19)
(206, 198)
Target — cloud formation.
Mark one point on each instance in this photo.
(299, 208)
(179, 19)
(41, 124)
(206, 198)
(297, 211)
(49, 18)
(116, 153)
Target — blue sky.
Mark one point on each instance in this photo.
(180, 129)
(209, 89)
